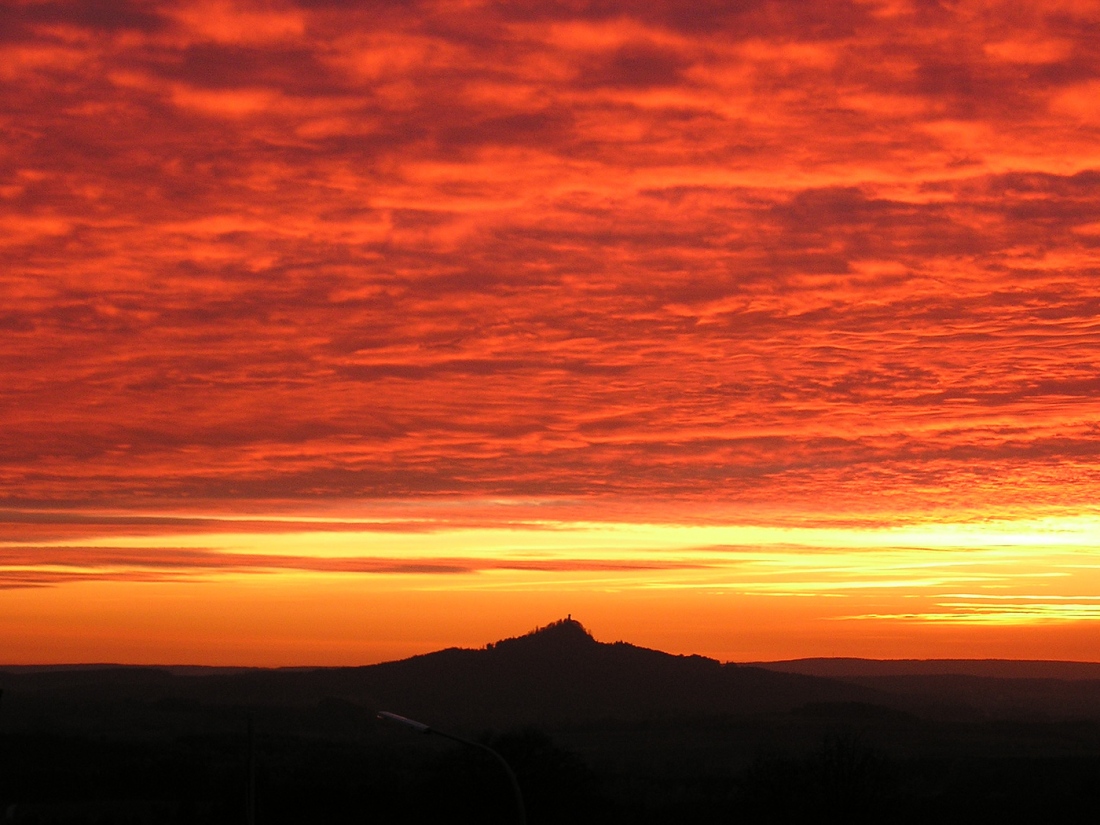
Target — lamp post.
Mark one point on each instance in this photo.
(420, 727)
(250, 782)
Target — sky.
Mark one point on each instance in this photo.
(338, 332)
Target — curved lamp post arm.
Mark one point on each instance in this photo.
(420, 727)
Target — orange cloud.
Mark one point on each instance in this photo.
(802, 262)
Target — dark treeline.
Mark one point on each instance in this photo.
(847, 777)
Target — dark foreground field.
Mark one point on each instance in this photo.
(594, 732)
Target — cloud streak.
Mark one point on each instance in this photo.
(28, 566)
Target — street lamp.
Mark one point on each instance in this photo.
(420, 727)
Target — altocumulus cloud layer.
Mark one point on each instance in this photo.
(821, 257)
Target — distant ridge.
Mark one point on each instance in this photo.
(842, 668)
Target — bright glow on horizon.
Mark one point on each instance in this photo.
(993, 573)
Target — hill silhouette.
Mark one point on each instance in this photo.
(555, 674)
(596, 731)
(560, 672)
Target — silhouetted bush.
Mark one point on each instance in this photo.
(843, 781)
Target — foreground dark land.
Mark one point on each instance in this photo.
(595, 732)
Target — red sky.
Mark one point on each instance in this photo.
(342, 331)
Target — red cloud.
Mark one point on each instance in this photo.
(764, 254)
